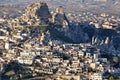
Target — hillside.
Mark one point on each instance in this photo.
(41, 44)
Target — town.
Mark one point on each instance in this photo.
(54, 45)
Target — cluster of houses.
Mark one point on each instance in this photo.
(61, 60)
(70, 61)
(64, 60)
(102, 20)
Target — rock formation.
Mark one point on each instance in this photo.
(59, 17)
(35, 14)
(38, 11)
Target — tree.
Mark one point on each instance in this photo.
(111, 78)
(115, 60)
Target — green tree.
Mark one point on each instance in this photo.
(111, 78)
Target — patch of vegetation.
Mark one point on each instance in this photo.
(14, 33)
(42, 27)
(15, 71)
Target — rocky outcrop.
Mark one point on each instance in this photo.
(70, 34)
(35, 14)
(38, 11)
(103, 36)
(77, 35)
(59, 17)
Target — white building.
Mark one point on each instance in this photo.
(7, 45)
(96, 76)
(25, 58)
